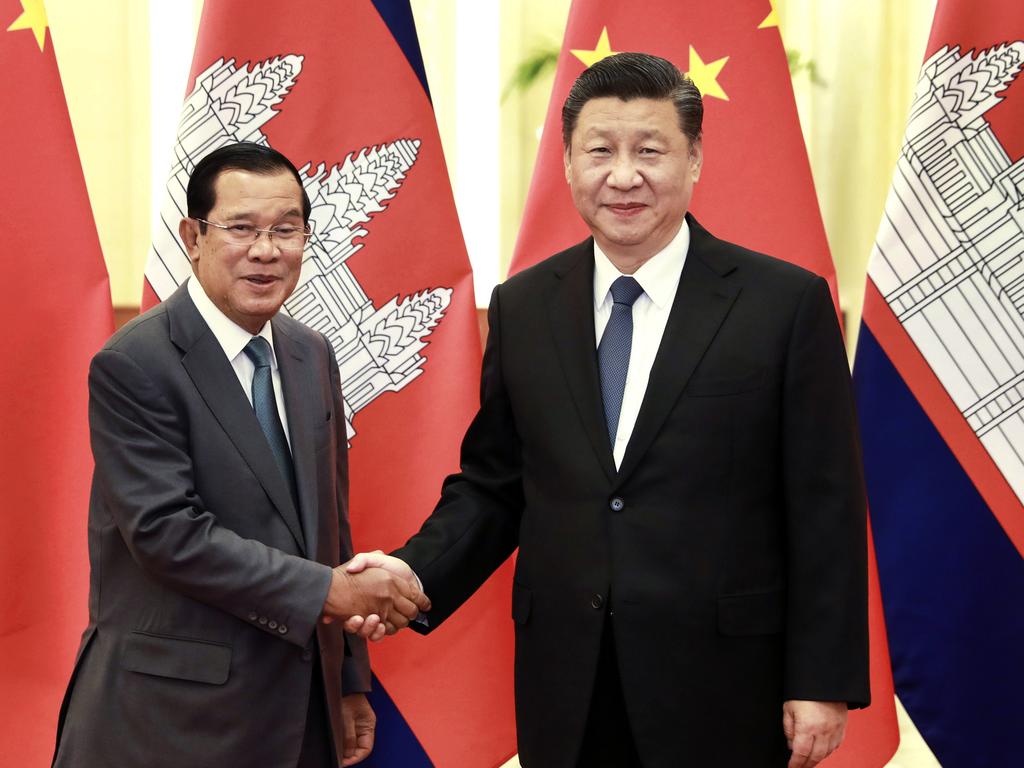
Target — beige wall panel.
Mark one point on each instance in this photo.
(527, 26)
(103, 52)
(869, 54)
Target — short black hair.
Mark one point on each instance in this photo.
(630, 76)
(200, 196)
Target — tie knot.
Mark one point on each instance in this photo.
(626, 290)
(258, 350)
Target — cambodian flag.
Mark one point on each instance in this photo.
(939, 375)
(340, 89)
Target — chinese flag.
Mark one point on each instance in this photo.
(938, 371)
(55, 314)
(340, 89)
(755, 190)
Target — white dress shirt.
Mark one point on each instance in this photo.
(659, 277)
(232, 339)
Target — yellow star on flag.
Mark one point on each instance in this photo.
(602, 51)
(705, 76)
(772, 19)
(33, 16)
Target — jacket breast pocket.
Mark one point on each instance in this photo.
(522, 601)
(759, 613)
(177, 657)
(716, 386)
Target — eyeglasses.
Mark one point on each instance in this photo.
(287, 236)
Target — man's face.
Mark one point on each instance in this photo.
(631, 170)
(247, 283)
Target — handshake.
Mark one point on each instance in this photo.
(374, 595)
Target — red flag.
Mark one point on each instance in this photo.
(55, 314)
(339, 89)
(755, 189)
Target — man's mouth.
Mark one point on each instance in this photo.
(260, 279)
(626, 209)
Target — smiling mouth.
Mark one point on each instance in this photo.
(260, 279)
(626, 209)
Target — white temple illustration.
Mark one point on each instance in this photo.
(949, 256)
(377, 347)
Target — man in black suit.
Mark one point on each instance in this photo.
(666, 431)
(219, 511)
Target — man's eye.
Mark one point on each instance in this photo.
(241, 229)
(286, 231)
(598, 150)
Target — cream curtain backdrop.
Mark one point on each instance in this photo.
(122, 62)
(869, 53)
(103, 53)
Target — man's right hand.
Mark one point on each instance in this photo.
(373, 591)
(370, 625)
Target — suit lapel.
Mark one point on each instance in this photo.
(702, 302)
(215, 380)
(300, 399)
(571, 313)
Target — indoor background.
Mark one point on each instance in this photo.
(125, 63)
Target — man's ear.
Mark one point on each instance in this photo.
(188, 231)
(567, 159)
(696, 160)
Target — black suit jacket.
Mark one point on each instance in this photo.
(206, 581)
(730, 545)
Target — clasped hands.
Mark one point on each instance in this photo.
(374, 595)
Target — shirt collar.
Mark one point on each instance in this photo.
(658, 276)
(231, 336)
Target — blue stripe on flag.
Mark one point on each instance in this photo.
(397, 14)
(395, 745)
(952, 582)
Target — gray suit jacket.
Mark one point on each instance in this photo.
(206, 581)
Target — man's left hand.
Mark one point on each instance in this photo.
(814, 730)
(360, 723)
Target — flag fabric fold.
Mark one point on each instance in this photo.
(755, 190)
(938, 372)
(340, 89)
(56, 314)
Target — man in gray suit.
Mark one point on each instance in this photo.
(219, 511)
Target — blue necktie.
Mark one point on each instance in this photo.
(613, 351)
(265, 404)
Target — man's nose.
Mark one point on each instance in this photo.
(624, 173)
(264, 247)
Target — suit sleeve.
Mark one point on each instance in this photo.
(144, 473)
(355, 670)
(826, 633)
(475, 525)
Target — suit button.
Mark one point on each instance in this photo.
(596, 602)
(253, 616)
(282, 629)
(272, 624)
(617, 504)
(263, 619)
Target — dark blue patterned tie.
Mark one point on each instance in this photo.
(265, 405)
(613, 351)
